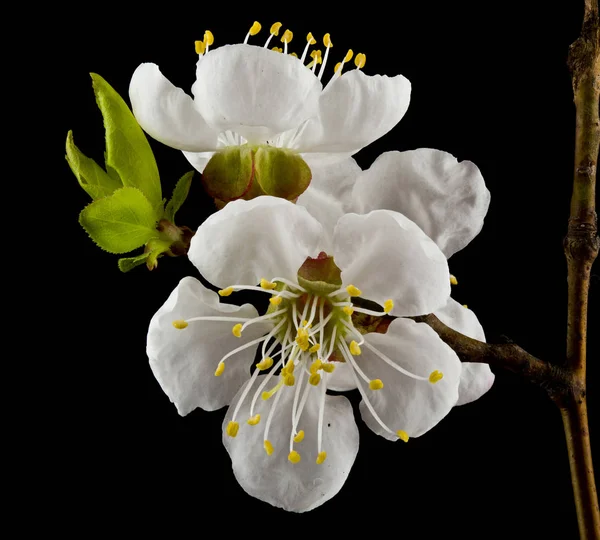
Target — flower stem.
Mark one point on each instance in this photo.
(581, 249)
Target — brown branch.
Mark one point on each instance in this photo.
(558, 382)
(581, 249)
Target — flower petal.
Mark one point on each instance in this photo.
(387, 256)
(184, 361)
(198, 160)
(341, 380)
(355, 110)
(167, 113)
(446, 198)
(326, 209)
(248, 240)
(476, 378)
(254, 91)
(405, 403)
(296, 487)
(336, 179)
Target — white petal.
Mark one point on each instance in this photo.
(406, 403)
(301, 486)
(476, 378)
(326, 210)
(341, 380)
(336, 179)
(254, 91)
(167, 113)
(248, 240)
(184, 361)
(446, 198)
(355, 110)
(198, 159)
(387, 256)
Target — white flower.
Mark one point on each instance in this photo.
(244, 93)
(300, 443)
(447, 199)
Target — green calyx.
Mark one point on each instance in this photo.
(246, 172)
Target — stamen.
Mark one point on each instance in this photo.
(310, 40)
(268, 447)
(209, 39)
(435, 376)
(239, 349)
(289, 379)
(340, 65)
(316, 59)
(270, 336)
(243, 397)
(402, 435)
(328, 368)
(254, 420)
(348, 310)
(218, 319)
(268, 285)
(355, 349)
(465, 306)
(274, 31)
(349, 326)
(220, 369)
(270, 393)
(289, 283)
(180, 324)
(331, 343)
(276, 300)
(360, 60)
(232, 288)
(264, 364)
(321, 457)
(286, 38)
(353, 291)
(315, 348)
(232, 429)
(315, 366)
(348, 356)
(453, 280)
(320, 421)
(199, 46)
(314, 379)
(376, 384)
(393, 364)
(328, 45)
(258, 391)
(254, 29)
(263, 318)
(294, 456)
(237, 330)
(375, 313)
(388, 305)
(277, 49)
(299, 436)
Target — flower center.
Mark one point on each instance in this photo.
(312, 331)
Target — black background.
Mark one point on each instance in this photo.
(490, 85)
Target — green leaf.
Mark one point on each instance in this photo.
(89, 174)
(128, 263)
(121, 222)
(127, 150)
(180, 193)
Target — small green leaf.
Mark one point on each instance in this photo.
(155, 248)
(128, 263)
(121, 222)
(180, 193)
(89, 174)
(127, 150)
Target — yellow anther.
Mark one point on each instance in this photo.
(268, 447)
(237, 330)
(226, 292)
(376, 384)
(289, 367)
(266, 395)
(353, 291)
(314, 348)
(299, 436)
(321, 457)
(315, 366)
(402, 435)
(220, 369)
(289, 379)
(355, 348)
(294, 55)
(310, 39)
(348, 56)
(265, 363)
(302, 343)
(232, 429)
(337, 67)
(253, 420)
(255, 28)
(314, 379)
(304, 322)
(327, 41)
(294, 456)
(180, 324)
(209, 39)
(199, 47)
(316, 55)
(348, 310)
(275, 28)
(277, 49)
(328, 368)
(276, 300)
(287, 36)
(388, 305)
(302, 332)
(435, 376)
(465, 306)
(359, 60)
(267, 285)
(453, 280)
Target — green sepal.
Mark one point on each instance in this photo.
(89, 174)
(120, 222)
(180, 193)
(128, 263)
(155, 248)
(128, 153)
(281, 172)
